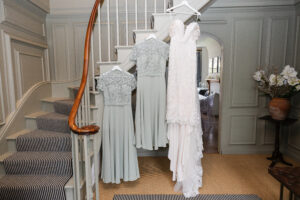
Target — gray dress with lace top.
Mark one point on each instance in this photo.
(150, 117)
(119, 156)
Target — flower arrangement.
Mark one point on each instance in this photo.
(283, 85)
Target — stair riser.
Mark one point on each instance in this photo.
(123, 54)
(53, 125)
(47, 106)
(59, 145)
(31, 124)
(2, 170)
(49, 167)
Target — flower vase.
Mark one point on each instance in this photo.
(279, 108)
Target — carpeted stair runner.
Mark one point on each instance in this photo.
(42, 165)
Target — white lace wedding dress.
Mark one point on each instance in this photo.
(183, 110)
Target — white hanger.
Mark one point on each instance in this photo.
(186, 4)
(116, 67)
(151, 36)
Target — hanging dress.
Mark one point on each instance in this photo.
(183, 110)
(150, 116)
(119, 156)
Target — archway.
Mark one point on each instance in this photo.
(210, 59)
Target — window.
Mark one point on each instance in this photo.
(214, 65)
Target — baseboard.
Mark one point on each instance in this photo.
(155, 153)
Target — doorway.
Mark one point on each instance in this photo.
(209, 68)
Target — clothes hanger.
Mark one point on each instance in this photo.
(151, 36)
(116, 67)
(185, 4)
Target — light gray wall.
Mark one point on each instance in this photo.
(292, 145)
(251, 33)
(23, 51)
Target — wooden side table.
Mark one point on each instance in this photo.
(277, 155)
(288, 177)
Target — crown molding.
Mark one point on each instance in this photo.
(253, 3)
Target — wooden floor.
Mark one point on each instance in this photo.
(223, 174)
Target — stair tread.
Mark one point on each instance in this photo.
(36, 114)
(124, 47)
(53, 99)
(54, 115)
(26, 181)
(17, 134)
(5, 155)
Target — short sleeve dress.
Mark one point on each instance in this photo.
(119, 156)
(150, 116)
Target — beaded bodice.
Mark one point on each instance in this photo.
(150, 57)
(117, 87)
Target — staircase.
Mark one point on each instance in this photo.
(38, 164)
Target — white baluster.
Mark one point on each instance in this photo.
(96, 149)
(89, 192)
(99, 34)
(165, 5)
(136, 15)
(93, 63)
(117, 22)
(108, 29)
(126, 12)
(76, 167)
(146, 15)
(155, 6)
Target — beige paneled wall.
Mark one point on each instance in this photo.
(23, 51)
(251, 35)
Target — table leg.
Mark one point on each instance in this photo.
(281, 191)
(276, 155)
(291, 195)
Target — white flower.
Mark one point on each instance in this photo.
(298, 87)
(258, 75)
(293, 81)
(280, 81)
(272, 79)
(289, 72)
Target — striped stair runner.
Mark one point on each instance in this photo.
(42, 165)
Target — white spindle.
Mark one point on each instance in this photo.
(126, 12)
(93, 63)
(146, 15)
(96, 144)
(155, 6)
(76, 167)
(136, 15)
(89, 193)
(108, 29)
(165, 5)
(99, 34)
(117, 22)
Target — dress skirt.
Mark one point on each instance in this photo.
(150, 116)
(119, 152)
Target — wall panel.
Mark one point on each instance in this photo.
(243, 129)
(61, 52)
(278, 41)
(247, 37)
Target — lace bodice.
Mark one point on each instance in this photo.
(117, 87)
(182, 98)
(150, 57)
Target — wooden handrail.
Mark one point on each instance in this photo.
(90, 129)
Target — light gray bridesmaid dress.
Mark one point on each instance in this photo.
(150, 116)
(119, 156)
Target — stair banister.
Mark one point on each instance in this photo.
(89, 129)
